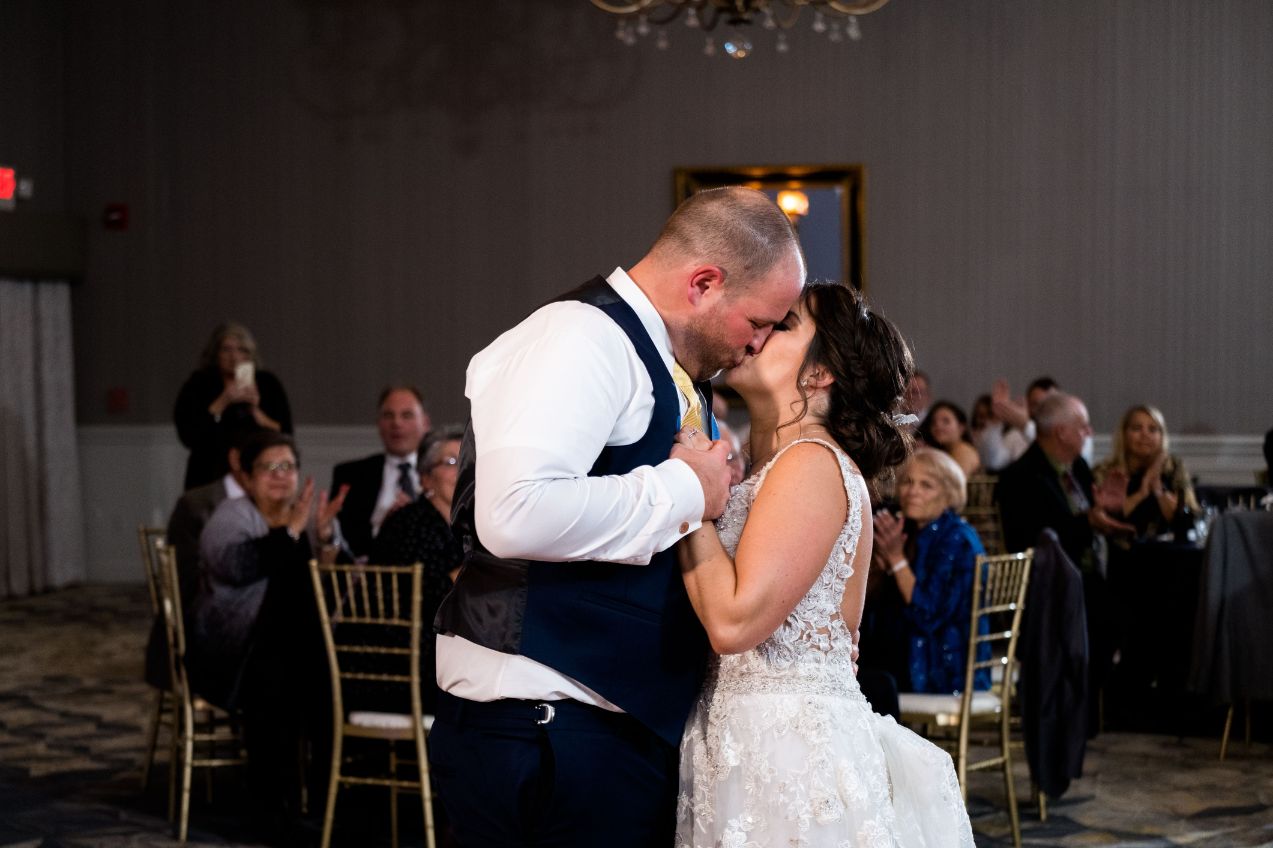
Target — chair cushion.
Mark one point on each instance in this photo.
(922, 703)
(386, 721)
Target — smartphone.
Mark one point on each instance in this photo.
(244, 374)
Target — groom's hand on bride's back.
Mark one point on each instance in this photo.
(710, 463)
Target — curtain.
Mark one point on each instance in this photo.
(41, 511)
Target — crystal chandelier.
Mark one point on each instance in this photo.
(728, 25)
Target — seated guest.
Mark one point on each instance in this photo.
(185, 525)
(380, 483)
(192, 511)
(253, 641)
(246, 542)
(946, 428)
(421, 532)
(1011, 427)
(932, 567)
(983, 415)
(998, 445)
(1051, 486)
(229, 393)
(1158, 494)
(918, 395)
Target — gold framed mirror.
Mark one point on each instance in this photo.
(827, 203)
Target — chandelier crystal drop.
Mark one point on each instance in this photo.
(739, 21)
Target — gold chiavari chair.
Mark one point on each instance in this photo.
(982, 512)
(1228, 727)
(205, 736)
(149, 538)
(372, 627)
(998, 597)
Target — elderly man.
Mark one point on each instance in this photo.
(382, 482)
(1050, 486)
(569, 656)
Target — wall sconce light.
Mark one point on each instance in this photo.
(795, 204)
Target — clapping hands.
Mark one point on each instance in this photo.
(324, 519)
(890, 540)
(1012, 411)
(1111, 491)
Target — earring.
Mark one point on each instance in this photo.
(804, 382)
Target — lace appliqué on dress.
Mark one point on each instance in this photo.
(782, 748)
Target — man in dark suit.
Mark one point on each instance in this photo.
(382, 482)
(1050, 486)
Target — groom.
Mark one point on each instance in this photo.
(568, 654)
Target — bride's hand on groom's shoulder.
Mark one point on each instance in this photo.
(710, 463)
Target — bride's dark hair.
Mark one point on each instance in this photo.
(869, 364)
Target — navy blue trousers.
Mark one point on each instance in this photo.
(588, 777)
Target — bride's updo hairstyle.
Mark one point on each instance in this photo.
(870, 365)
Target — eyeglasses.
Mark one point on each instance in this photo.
(284, 467)
(446, 460)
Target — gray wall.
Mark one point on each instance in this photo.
(377, 189)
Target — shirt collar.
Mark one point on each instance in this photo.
(395, 461)
(232, 487)
(645, 311)
(1061, 468)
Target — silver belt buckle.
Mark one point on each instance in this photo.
(547, 713)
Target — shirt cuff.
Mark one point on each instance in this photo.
(686, 514)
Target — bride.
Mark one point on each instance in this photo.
(782, 748)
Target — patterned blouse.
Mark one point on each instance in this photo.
(946, 551)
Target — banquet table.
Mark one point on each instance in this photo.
(1154, 590)
(1233, 626)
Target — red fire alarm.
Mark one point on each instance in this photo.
(116, 216)
(118, 400)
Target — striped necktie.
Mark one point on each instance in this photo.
(405, 483)
(693, 416)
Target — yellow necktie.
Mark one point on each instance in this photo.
(693, 416)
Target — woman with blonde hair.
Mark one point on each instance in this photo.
(1158, 494)
(932, 567)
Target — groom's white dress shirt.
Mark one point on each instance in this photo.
(546, 397)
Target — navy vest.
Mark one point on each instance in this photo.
(627, 632)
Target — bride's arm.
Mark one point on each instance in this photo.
(793, 524)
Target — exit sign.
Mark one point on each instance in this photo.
(8, 186)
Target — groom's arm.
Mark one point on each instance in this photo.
(546, 398)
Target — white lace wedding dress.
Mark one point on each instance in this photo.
(782, 748)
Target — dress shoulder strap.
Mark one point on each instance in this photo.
(848, 468)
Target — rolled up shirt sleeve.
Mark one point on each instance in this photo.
(547, 397)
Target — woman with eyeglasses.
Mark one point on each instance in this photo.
(254, 642)
(421, 532)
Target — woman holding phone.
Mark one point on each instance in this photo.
(227, 394)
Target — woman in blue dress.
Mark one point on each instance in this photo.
(932, 567)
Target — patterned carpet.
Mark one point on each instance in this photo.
(73, 712)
